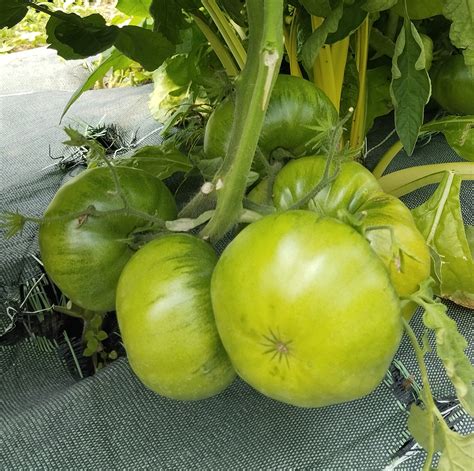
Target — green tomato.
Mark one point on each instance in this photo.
(84, 256)
(453, 85)
(298, 116)
(306, 310)
(356, 198)
(166, 320)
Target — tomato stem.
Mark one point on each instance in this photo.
(252, 96)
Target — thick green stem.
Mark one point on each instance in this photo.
(253, 93)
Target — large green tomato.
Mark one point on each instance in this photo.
(85, 256)
(356, 198)
(298, 116)
(166, 320)
(453, 85)
(306, 310)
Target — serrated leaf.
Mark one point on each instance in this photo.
(148, 48)
(11, 12)
(86, 36)
(458, 452)
(136, 8)
(410, 88)
(461, 32)
(115, 60)
(314, 43)
(440, 221)
(450, 346)
(160, 162)
(458, 131)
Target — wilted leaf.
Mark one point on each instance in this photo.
(440, 221)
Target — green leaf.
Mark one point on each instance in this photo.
(11, 12)
(450, 345)
(62, 49)
(313, 44)
(172, 86)
(419, 9)
(169, 18)
(410, 88)
(381, 43)
(378, 5)
(159, 161)
(115, 60)
(379, 102)
(136, 8)
(85, 36)
(102, 335)
(458, 131)
(352, 17)
(440, 221)
(422, 424)
(148, 48)
(458, 452)
(461, 33)
(321, 8)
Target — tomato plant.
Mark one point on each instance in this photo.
(311, 318)
(166, 319)
(307, 302)
(85, 251)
